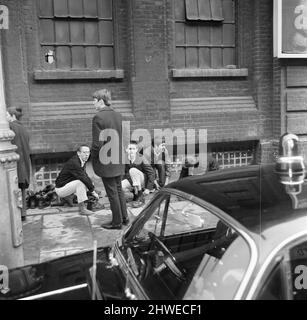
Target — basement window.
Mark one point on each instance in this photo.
(235, 154)
(46, 170)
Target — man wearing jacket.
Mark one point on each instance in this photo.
(106, 156)
(73, 179)
(139, 174)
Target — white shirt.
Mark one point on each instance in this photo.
(82, 162)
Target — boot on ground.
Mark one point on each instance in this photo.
(83, 209)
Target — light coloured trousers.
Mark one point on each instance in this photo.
(138, 180)
(74, 187)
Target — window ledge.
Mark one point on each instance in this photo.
(78, 74)
(207, 73)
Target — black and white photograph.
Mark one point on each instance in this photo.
(153, 150)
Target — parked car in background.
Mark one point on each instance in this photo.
(230, 234)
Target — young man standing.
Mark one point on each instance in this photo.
(106, 156)
(74, 179)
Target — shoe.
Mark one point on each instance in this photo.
(111, 226)
(137, 204)
(97, 206)
(126, 221)
(83, 211)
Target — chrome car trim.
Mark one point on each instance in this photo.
(251, 266)
(55, 292)
(268, 260)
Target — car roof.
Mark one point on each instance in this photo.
(253, 196)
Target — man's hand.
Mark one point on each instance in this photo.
(95, 194)
(157, 185)
(146, 192)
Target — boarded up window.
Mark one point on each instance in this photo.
(205, 34)
(204, 10)
(79, 32)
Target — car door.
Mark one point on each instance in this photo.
(286, 277)
(171, 227)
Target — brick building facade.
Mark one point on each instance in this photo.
(167, 64)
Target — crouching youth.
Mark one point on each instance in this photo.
(73, 179)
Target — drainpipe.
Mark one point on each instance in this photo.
(11, 237)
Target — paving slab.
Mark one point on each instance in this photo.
(47, 210)
(66, 233)
(135, 211)
(49, 255)
(32, 239)
(100, 217)
(64, 220)
(106, 237)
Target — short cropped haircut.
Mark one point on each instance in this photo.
(157, 139)
(81, 146)
(15, 111)
(133, 142)
(104, 95)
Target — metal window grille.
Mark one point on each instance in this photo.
(46, 171)
(233, 155)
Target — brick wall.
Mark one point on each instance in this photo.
(145, 50)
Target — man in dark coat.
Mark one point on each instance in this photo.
(73, 179)
(21, 140)
(107, 156)
(139, 175)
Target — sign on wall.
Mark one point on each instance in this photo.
(290, 28)
(4, 17)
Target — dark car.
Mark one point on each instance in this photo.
(239, 233)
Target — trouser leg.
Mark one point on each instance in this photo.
(161, 174)
(74, 187)
(126, 186)
(111, 187)
(137, 177)
(121, 197)
(24, 204)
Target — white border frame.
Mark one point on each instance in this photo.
(277, 34)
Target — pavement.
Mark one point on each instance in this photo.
(55, 232)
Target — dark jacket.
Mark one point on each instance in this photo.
(212, 165)
(143, 165)
(162, 159)
(21, 140)
(71, 171)
(105, 119)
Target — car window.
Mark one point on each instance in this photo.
(222, 269)
(186, 216)
(179, 248)
(273, 287)
(297, 259)
(154, 222)
(288, 278)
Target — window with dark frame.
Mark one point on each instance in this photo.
(205, 34)
(79, 33)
